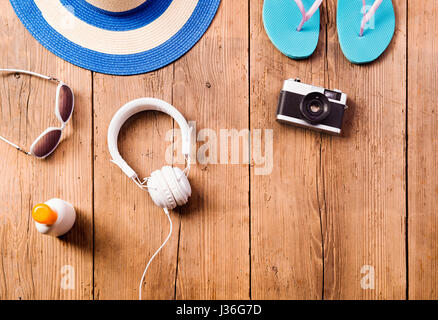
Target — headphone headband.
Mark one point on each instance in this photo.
(136, 106)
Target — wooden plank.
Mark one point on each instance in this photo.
(330, 206)
(423, 150)
(363, 173)
(31, 264)
(211, 88)
(128, 226)
(286, 243)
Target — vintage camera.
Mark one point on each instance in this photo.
(311, 107)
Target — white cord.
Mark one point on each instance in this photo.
(152, 258)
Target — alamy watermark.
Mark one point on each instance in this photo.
(68, 277)
(371, 24)
(226, 146)
(67, 18)
(368, 280)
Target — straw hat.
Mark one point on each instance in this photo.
(121, 37)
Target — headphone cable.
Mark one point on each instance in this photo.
(159, 249)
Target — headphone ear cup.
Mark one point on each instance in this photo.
(178, 184)
(183, 183)
(160, 192)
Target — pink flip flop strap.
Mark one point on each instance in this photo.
(307, 15)
(368, 15)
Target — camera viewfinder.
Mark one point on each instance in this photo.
(333, 95)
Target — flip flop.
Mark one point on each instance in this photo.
(291, 29)
(365, 29)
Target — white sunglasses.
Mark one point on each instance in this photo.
(49, 140)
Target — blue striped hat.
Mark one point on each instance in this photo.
(121, 37)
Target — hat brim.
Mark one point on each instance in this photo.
(117, 64)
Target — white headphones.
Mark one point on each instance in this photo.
(168, 187)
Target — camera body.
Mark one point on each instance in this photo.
(311, 107)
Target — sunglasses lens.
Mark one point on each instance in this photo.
(65, 102)
(47, 143)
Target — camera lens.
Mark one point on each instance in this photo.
(315, 107)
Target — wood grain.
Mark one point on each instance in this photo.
(31, 264)
(330, 207)
(286, 243)
(211, 87)
(363, 173)
(129, 228)
(423, 150)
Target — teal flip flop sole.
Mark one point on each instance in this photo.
(281, 19)
(377, 35)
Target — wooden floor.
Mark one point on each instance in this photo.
(338, 218)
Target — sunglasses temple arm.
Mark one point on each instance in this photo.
(29, 73)
(14, 145)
